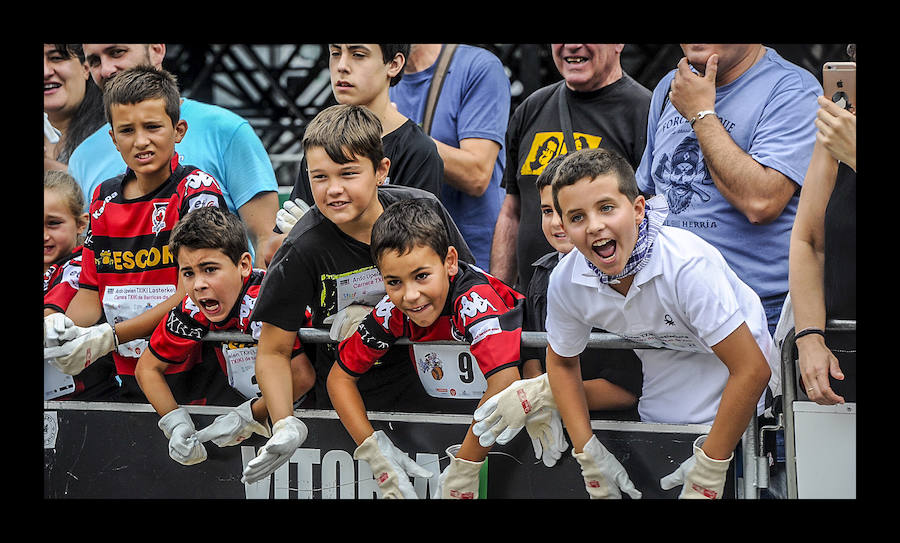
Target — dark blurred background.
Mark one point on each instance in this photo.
(279, 88)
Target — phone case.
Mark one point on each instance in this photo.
(839, 83)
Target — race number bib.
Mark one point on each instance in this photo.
(362, 287)
(449, 371)
(240, 359)
(124, 302)
(56, 383)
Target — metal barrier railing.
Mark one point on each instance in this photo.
(755, 469)
(755, 462)
(789, 396)
(597, 340)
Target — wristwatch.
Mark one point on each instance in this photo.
(700, 115)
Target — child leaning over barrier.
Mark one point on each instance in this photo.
(216, 269)
(612, 377)
(664, 287)
(128, 274)
(431, 296)
(325, 265)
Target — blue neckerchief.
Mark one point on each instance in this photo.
(655, 213)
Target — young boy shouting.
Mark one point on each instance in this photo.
(612, 377)
(431, 295)
(128, 274)
(215, 267)
(325, 264)
(665, 287)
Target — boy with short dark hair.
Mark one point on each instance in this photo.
(128, 274)
(215, 266)
(431, 296)
(612, 377)
(325, 265)
(362, 75)
(664, 287)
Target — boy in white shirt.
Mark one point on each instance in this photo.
(664, 287)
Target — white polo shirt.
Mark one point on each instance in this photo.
(685, 299)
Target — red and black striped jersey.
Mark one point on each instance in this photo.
(178, 337)
(480, 309)
(127, 242)
(61, 281)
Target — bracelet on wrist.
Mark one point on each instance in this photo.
(700, 115)
(808, 331)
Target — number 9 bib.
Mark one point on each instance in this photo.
(449, 371)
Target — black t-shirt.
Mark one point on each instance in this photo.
(840, 247)
(320, 267)
(415, 162)
(613, 117)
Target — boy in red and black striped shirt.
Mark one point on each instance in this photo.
(216, 269)
(128, 272)
(431, 296)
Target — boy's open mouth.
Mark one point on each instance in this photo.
(209, 305)
(604, 248)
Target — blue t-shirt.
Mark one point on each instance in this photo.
(217, 141)
(474, 103)
(769, 112)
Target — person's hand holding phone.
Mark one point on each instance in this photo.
(837, 131)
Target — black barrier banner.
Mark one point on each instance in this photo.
(107, 450)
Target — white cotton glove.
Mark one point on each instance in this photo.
(604, 476)
(701, 477)
(504, 414)
(287, 434)
(546, 432)
(233, 427)
(78, 347)
(344, 322)
(290, 213)
(59, 328)
(460, 480)
(50, 132)
(391, 467)
(184, 447)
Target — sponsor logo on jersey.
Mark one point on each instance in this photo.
(199, 179)
(485, 328)
(183, 329)
(158, 218)
(383, 310)
(96, 214)
(202, 200)
(471, 307)
(142, 259)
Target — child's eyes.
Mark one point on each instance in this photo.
(422, 276)
(393, 282)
